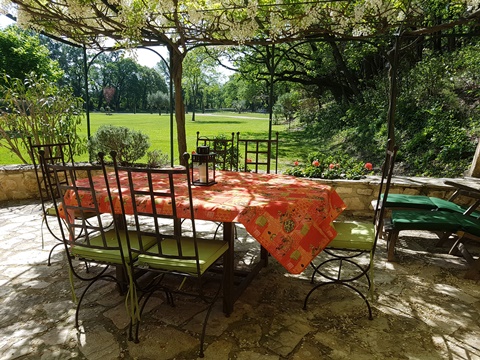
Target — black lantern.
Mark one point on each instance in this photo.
(204, 161)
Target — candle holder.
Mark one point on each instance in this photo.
(204, 160)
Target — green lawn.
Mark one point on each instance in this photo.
(157, 127)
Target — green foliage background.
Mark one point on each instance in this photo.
(437, 117)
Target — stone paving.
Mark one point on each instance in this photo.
(423, 309)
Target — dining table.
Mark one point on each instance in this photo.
(290, 217)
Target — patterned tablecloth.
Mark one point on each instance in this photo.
(288, 216)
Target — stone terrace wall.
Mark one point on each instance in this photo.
(18, 182)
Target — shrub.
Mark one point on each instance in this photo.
(157, 159)
(319, 165)
(231, 152)
(129, 144)
(37, 107)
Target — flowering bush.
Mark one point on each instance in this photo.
(333, 166)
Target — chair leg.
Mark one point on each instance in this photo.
(137, 320)
(391, 242)
(264, 254)
(473, 272)
(315, 271)
(442, 238)
(49, 262)
(235, 234)
(370, 316)
(204, 330)
(45, 222)
(207, 315)
(101, 277)
(454, 248)
(216, 230)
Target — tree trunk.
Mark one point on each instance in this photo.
(352, 81)
(176, 74)
(475, 167)
(194, 104)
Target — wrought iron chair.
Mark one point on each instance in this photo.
(223, 147)
(225, 160)
(354, 239)
(101, 245)
(172, 255)
(41, 156)
(258, 154)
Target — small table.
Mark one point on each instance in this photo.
(290, 217)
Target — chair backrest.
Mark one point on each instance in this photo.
(155, 196)
(259, 153)
(81, 207)
(49, 154)
(223, 147)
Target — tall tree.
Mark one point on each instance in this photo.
(21, 53)
(198, 71)
(70, 60)
(133, 82)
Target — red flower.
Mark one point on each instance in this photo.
(331, 166)
(295, 163)
(194, 152)
(316, 163)
(368, 166)
(249, 160)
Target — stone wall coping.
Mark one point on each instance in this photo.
(411, 182)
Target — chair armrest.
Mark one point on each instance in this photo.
(465, 190)
(462, 189)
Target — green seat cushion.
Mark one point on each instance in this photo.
(354, 235)
(209, 251)
(425, 220)
(400, 201)
(52, 211)
(108, 255)
(409, 201)
(446, 205)
(469, 224)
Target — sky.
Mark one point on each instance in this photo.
(4, 21)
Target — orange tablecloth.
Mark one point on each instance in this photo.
(290, 217)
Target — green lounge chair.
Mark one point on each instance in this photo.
(442, 223)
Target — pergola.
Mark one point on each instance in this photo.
(183, 25)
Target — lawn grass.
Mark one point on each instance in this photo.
(291, 144)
